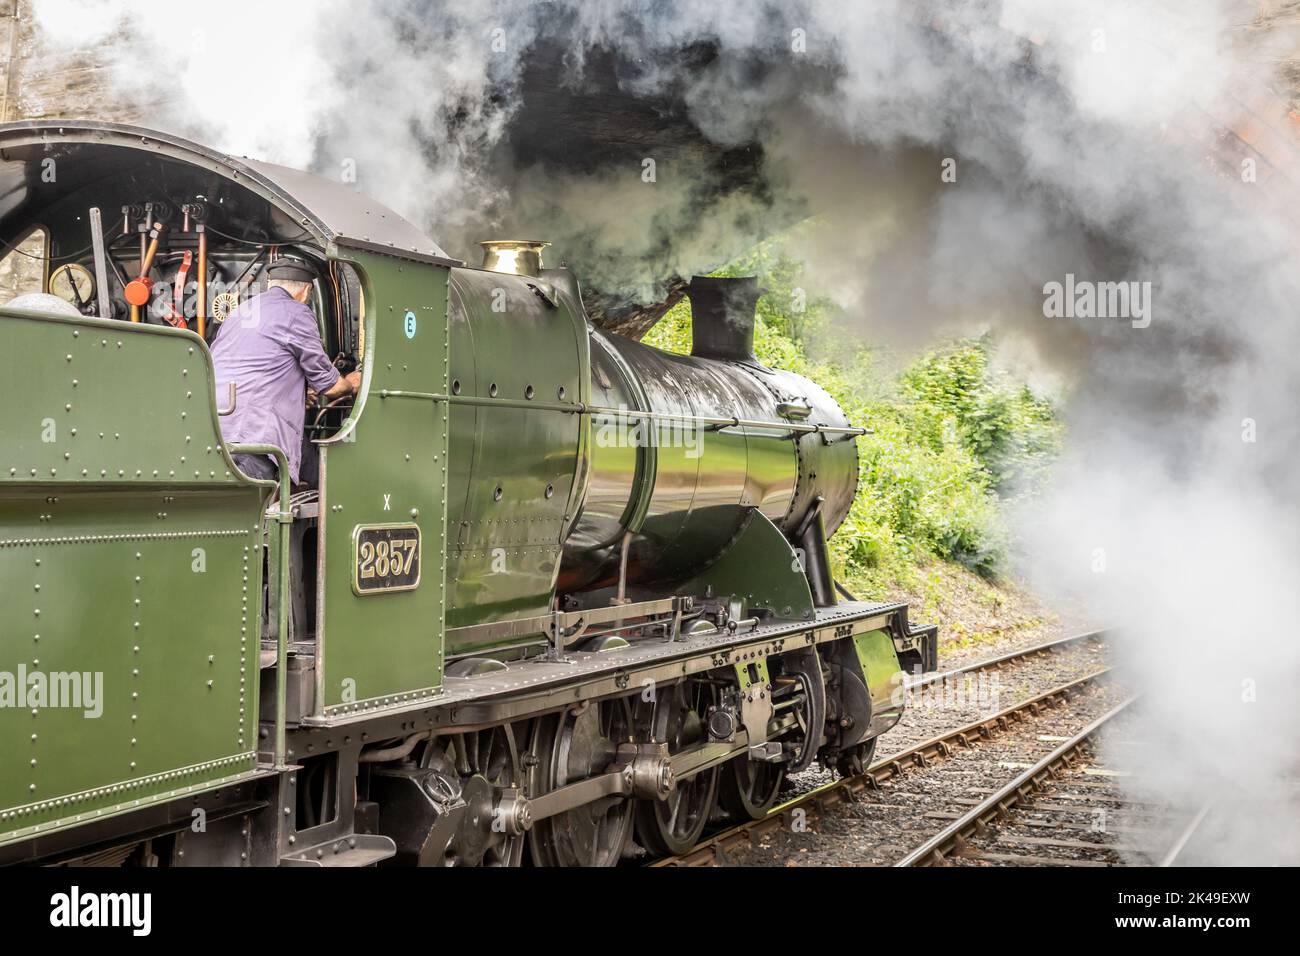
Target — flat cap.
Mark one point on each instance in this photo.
(291, 269)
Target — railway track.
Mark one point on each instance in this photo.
(1065, 810)
(954, 839)
(718, 846)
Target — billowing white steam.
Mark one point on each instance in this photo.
(1082, 132)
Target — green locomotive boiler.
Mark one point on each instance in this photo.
(549, 595)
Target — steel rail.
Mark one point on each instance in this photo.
(952, 838)
(1185, 835)
(923, 754)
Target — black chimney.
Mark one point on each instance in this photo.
(722, 317)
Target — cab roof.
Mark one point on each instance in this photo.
(327, 210)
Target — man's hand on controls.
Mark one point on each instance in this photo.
(348, 384)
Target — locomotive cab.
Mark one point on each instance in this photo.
(138, 247)
(152, 232)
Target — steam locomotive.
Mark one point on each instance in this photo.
(549, 594)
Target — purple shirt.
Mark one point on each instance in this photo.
(271, 348)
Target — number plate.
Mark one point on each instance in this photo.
(387, 558)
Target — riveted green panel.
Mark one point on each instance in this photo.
(388, 465)
(516, 469)
(129, 553)
(100, 401)
(761, 569)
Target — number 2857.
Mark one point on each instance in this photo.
(387, 559)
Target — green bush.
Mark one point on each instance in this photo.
(1012, 433)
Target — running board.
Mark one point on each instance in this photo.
(360, 849)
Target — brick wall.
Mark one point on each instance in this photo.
(42, 84)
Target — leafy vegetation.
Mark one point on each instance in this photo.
(952, 439)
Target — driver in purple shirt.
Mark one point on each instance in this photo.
(271, 348)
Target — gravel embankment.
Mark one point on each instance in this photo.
(953, 654)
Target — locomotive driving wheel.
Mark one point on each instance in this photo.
(673, 825)
(488, 765)
(568, 747)
(751, 787)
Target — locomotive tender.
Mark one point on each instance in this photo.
(552, 595)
